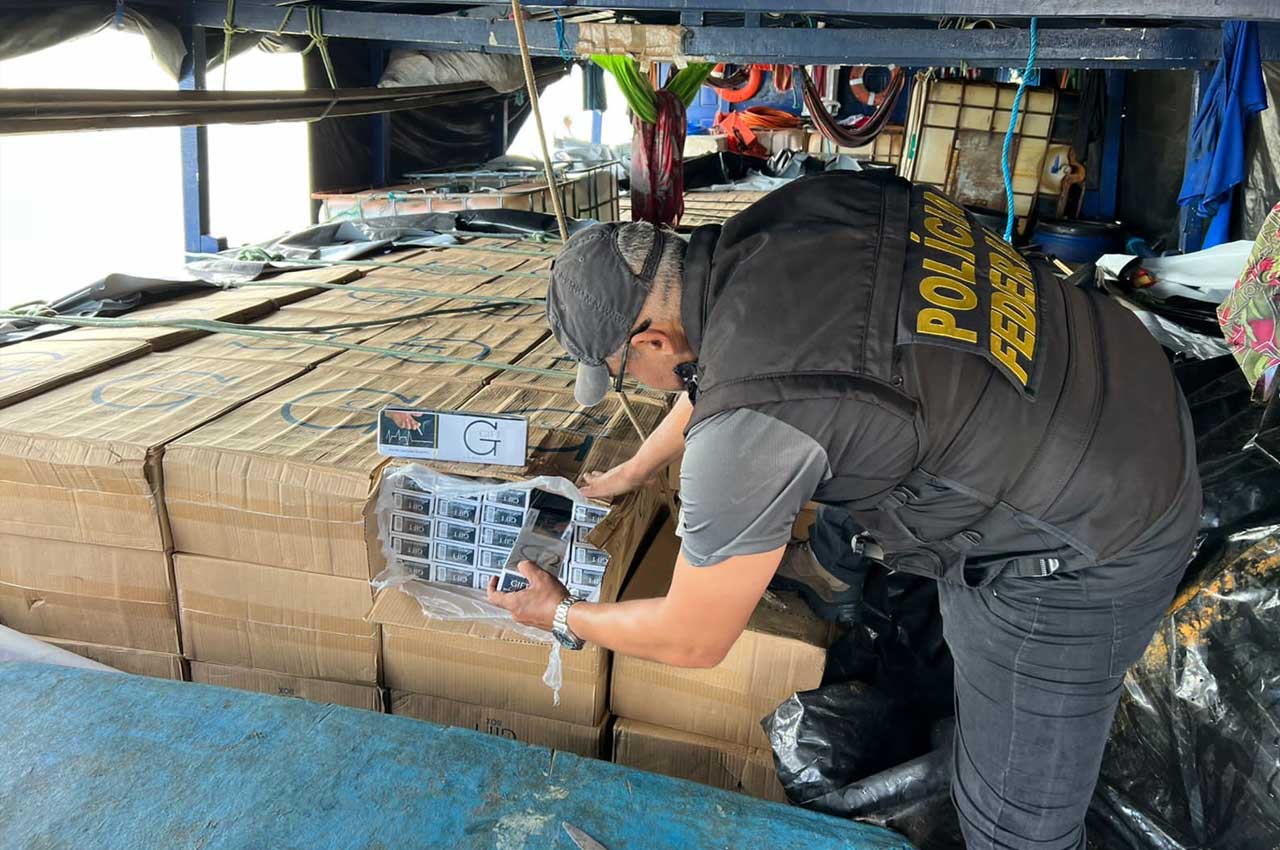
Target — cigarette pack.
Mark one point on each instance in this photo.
(509, 498)
(414, 503)
(585, 577)
(422, 569)
(504, 516)
(404, 482)
(411, 548)
(493, 559)
(482, 579)
(410, 525)
(458, 510)
(580, 532)
(589, 556)
(510, 582)
(456, 532)
(445, 574)
(499, 536)
(536, 544)
(453, 554)
(586, 594)
(589, 514)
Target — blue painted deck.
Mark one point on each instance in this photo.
(113, 762)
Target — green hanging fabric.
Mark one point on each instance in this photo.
(638, 91)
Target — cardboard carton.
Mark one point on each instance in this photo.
(217, 304)
(443, 268)
(588, 741)
(394, 290)
(287, 621)
(782, 650)
(288, 479)
(292, 287)
(734, 767)
(38, 365)
(82, 462)
(140, 662)
(485, 664)
(278, 684)
(90, 594)
(417, 341)
(302, 349)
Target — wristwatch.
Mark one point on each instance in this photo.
(560, 625)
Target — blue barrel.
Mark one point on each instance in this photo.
(1078, 241)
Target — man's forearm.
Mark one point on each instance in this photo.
(639, 628)
(666, 443)
(694, 625)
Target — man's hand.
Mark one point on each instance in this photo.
(536, 604)
(407, 421)
(623, 478)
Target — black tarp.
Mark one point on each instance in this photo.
(421, 139)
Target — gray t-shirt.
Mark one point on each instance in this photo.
(748, 472)
(744, 478)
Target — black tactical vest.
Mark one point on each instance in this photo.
(1048, 420)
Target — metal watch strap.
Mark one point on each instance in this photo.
(560, 625)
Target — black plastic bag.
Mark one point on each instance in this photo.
(826, 738)
(1241, 486)
(1194, 756)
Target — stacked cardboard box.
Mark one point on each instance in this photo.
(264, 681)
(721, 764)
(224, 490)
(269, 507)
(39, 365)
(701, 724)
(86, 417)
(140, 662)
(589, 741)
(86, 545)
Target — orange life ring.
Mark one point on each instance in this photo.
(857, 84)
(748, 90)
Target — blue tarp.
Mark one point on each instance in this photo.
(1216, 164)
(108, 761)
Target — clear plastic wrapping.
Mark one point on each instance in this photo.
(496, 510)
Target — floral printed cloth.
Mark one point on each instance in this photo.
(1250, 315)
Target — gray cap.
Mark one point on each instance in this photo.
(594, 302)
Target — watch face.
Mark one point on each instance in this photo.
(566, 641)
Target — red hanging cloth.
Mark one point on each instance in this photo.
(657, 164)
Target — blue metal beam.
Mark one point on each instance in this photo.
(1109, 179)
(379, 125)
(195, 152)
(1186, 10)
(1100, 47)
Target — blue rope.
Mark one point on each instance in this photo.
(1008, 136)
(565, 53)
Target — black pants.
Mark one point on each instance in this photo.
(1039, 665)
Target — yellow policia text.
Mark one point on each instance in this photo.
(949, 284)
